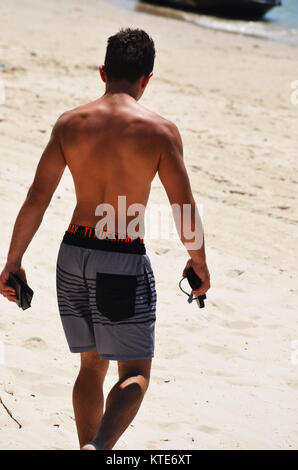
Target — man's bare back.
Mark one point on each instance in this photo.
(112, 148)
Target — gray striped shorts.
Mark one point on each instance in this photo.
(106, 297)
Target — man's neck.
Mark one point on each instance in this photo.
(119, 90)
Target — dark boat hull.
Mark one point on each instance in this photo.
(251, 9)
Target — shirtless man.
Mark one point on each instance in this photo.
(106, 292)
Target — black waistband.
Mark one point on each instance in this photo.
(88, 237)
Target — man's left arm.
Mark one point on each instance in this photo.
(48, 174)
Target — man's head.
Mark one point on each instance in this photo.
(129, 60)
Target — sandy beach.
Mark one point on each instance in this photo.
(225, 377)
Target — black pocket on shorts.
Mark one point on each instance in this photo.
(115, 295)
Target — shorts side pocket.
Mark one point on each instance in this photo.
(116, 295)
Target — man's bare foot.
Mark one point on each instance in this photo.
(88, 447)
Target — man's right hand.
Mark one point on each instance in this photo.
(201, 270)
(5, 289)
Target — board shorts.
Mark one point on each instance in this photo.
(106, 295)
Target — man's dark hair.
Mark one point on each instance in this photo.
(130, 54)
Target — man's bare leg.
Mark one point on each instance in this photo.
(88, 399)
(122, 403)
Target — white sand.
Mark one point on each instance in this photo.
(222, 378)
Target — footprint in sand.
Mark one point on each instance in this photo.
(238, 325)
(50, 388)
(283, 208)
(35, 343)
(293, 384)
(234, 273)
(214, 349)
(29, 378)
(218, 373)
(207, 429)
(178, 351)
(164, 379)
(195, 167)
(153, 445)
(273, 326)
(244, 383)
(223, 308)
(161, 251)
(170, 426)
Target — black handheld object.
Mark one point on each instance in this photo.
(195, 283)
(23, 291)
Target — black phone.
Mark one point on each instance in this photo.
(195, 283)
(23, 291)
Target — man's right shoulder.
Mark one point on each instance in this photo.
(71, 121)
(65, 118)
(72, 114)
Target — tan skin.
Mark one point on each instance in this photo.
(112, 146)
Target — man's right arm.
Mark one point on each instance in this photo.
(174, 177)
